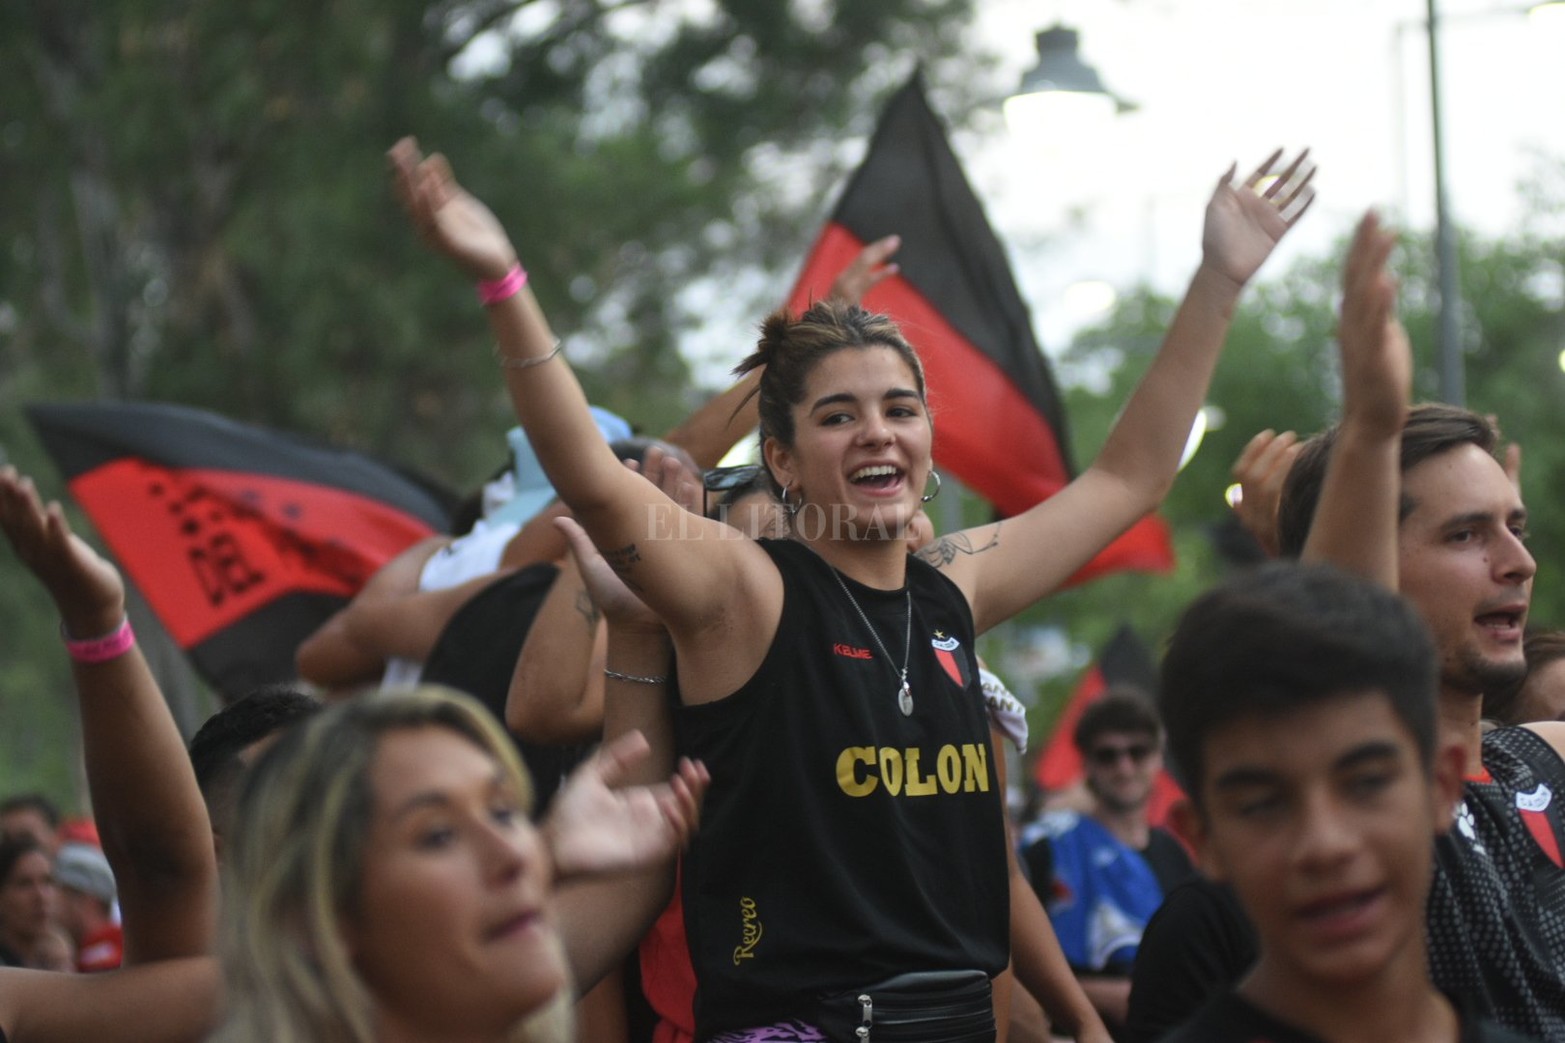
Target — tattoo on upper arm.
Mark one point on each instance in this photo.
(943, 551)
(623, 561)
(588, 608)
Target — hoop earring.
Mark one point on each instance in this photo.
(790, 509)
(930, 496)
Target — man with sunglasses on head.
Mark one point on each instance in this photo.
(1102, 873)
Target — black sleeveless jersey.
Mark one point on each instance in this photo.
(1496, 914)
(843, 842)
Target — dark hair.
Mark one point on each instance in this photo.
(32, 802)
(791, 346)
(1282, 637)
(1123, 709)
(1504, 703)
(1431, 429)
(217, 744)
(13, 850)
(733, 484)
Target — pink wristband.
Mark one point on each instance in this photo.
(508, 285)
(100, 649)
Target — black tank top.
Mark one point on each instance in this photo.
(843, 842)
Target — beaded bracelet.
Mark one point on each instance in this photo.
(616, 675)
(493, 291)
(100, 649)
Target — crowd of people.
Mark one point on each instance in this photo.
(661, 750)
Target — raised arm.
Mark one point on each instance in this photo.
(556, 693)
(1355, 524)
(1006, 567)
(150, 817)
(343, 652)
(691, 581)
(602, 920)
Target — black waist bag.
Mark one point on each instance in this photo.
(920, 1007)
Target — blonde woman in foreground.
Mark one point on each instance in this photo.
(386, 886)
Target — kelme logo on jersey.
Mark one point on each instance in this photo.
(949, 651)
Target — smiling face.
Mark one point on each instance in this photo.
(452, 928)
(1322, 820)
(1463, 564)
(1120, 768)
(861, 446)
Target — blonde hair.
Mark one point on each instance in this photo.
(295, 861)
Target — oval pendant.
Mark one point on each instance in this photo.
(905, 700)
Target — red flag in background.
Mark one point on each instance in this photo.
(242, 540)
(999, 426)
(1127, 661)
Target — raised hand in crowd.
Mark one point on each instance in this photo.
(872, 266)
(1377, 381)
(1260, 471)
(149, 813)
(1245, 222)
(598, 826)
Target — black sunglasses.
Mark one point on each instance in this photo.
(1107, 756)
(728, 481)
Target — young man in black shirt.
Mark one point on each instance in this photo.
(1300, 706)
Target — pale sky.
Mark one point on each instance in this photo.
(1219, 80)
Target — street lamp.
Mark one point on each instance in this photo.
(1448, 340)
(1060, 88)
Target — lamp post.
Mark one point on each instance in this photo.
(1448, 342)
(1059, 79)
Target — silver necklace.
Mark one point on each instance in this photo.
(905, 693)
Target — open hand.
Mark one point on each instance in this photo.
(596, 828)
(1261, 470)
(872, 265)
(85, 587)
(1244, 222)
(673, 478)
(450, 219)
(1377, 362)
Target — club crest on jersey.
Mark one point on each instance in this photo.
(949, 651)
(1534, 808)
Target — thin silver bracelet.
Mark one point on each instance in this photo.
(514, 363)
(616, 675)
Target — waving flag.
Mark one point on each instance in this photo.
(242, 540)
(1001, 425)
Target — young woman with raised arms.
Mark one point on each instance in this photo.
(853, 832)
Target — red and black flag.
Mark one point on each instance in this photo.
(1126, 663)
(1001, 426)
(242, 540)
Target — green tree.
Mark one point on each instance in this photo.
(199, 213)
(1280, 370)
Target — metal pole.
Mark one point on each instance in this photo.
(1453, 381)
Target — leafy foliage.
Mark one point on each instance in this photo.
(200, 212)
(1279, 370)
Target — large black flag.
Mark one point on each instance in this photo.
(243, 540)
(1001, 427)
